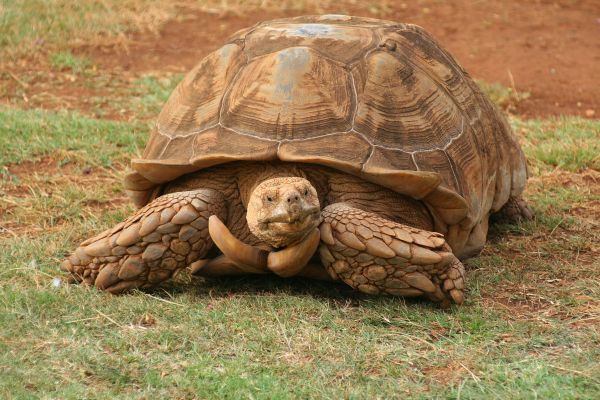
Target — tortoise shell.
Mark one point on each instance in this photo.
(377, 99)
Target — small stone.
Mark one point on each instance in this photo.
(180, 247)
(378, 248)
(129, 236)
(100, 248)
(167, 228)
(56, 283)
(326, 234)
(375, 272)
(132, 268)
(185, 215)
(154, 251)
(149, 224)
(186, 232)
(166, 215)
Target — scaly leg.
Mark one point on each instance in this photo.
(166, 235)
(379, 256)
(514, 211)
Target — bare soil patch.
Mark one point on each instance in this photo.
(547, 48)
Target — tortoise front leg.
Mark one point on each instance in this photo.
(379, 256)
(166, 235)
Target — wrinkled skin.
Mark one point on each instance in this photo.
(282, 211)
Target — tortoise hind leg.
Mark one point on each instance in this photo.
(514, 211)
(379, 256)
(161, 238)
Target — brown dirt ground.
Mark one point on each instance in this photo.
(547, 48)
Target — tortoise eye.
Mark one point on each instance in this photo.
(305, 192)
(269, 198)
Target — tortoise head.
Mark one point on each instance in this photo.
(282, 211)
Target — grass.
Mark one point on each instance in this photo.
(529, 327)
(40, 25)
(32, 27)
(505, 97)
(65, 60)
(572, 144)
(29, 135)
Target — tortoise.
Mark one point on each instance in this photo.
(331, 147)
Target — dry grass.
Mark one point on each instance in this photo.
(530, 324)
(529, 329)
(31, 28)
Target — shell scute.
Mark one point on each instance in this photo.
(290, 94)
(376, 99)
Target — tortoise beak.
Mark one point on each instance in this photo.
(291, 216)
